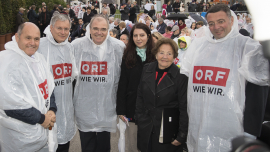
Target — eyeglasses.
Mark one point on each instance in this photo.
(95, 29)
(59, 29)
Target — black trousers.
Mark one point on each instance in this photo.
(95, 141)
(63, 148)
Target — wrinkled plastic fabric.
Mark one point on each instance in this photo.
(249, 28)
(216, 103)
(96, 86)
(201, 32)
(122, 128)
(22, 78)
(52, 139)
(60, 60)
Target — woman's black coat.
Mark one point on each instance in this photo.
(152, 13)
(127, 88)
(132, 13)
(151, 100)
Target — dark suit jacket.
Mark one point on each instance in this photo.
(124, 32)
(124, 14)
(132, 13)
(87, 18)
(71, 13)
(151, 100)
(76, 33)
(161, 28)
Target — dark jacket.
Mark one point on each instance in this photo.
(174, 36)
(169, 8)
(176, 7)
(124, 32)
(44, 18)
(152, 13)
(71, 13)
(124, 14)
(19, 20)
(77, 33)
(32, 115)
(151, 100)
(94, 11)
(161, 28)
(192, 7)
(132, 13)
(112, 9)
(137, 9)
(32, 16)
(127, 88)
(87, 18)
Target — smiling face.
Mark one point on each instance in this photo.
(99, 30)
(29, 39)
(219, 24)
(165, 56)
(60, 30)
(193, 26)
(140, 38)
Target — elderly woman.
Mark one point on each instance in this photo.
(161, 88)
(114, 33)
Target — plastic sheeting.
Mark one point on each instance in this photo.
(95, 90)
(218, 71)
(60, 59)
(122, 128)
(25, 82)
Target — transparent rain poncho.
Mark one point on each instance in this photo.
(218, 71)
(95, 90)
(25, 82)
(60, 59)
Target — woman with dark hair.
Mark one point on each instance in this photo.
(161, 106)
(136, 54)
(193, 26)
(169, 7)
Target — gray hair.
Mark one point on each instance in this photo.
(57, 16)
(125, 35)
(114, 31)
(99, 16)
(20, 28)
(111, 19)
(117, 20)
(160, 19)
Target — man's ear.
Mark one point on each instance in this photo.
(17, 37)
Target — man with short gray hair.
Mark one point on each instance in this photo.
(116, 24)
(99, 57)
(111, 22)
(58, 53)
(124, 38)
(162, 26)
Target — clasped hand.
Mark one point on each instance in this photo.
(50, 119)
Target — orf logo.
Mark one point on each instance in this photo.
(62, 70)
(176, 60)
(210, 75)
(94, 68)
(44, 89)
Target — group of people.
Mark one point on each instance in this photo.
(176, 86)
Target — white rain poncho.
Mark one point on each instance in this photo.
(218, 71)
(249, 28)
(181, 52)
(60, 58)
(97, 83)
(201, 32)
(25, 82)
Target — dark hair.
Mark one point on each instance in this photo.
(130, 54)
(191, 25)
(169, 28)
(88, 8)
(219, 7)
(55, 6)
(199, 23)
(166, 41)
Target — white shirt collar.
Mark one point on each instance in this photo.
(123, 30)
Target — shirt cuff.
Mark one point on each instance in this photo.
(42, 118)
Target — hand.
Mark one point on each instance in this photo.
(47, 121)
(52, 115)
(176, 143)
(122, 117)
